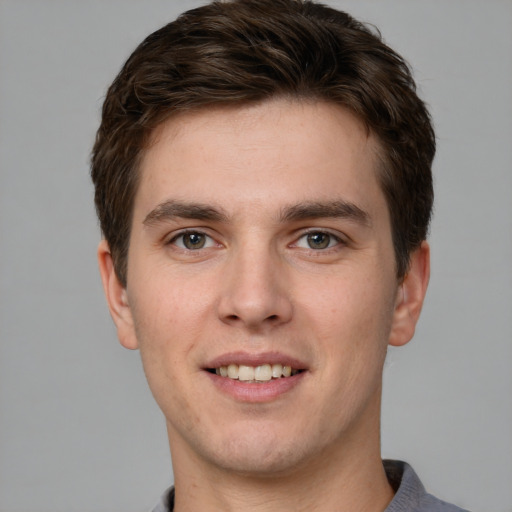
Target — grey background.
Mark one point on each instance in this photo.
(78, 428)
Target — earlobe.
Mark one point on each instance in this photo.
(117, 298)
(410, 296)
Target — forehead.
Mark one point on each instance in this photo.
(285, 150)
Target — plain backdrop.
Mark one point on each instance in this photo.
(79, 431)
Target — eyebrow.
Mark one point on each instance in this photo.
(332, 209)
(171, 209)
(340, 209)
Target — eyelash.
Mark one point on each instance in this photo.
(332, 238)
(210, 242)
(189, 232)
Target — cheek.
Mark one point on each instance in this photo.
(166, 337)
(352, 325)
(166, 326)
(362, 306)
(167, 306)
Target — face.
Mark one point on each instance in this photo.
(261, 249)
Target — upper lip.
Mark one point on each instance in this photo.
(248, 359)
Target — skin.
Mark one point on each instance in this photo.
(252, 183)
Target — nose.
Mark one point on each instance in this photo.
(255, 292)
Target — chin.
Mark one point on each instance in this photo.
(258, 465)
(260, 454)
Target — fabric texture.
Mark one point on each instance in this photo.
(410, 495)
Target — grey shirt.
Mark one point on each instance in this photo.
(410, 495)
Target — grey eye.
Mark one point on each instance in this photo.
(193, 240)
(318, 240)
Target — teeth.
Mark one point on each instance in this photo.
(262, 373)
(245, 372)
(277, 370)
(233, 371)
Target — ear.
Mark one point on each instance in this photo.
(117, 298)
(410, 296)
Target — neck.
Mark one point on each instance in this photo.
(366, 489)
(347, 476)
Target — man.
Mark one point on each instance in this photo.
(263, 183)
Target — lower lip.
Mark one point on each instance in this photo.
(255, 392)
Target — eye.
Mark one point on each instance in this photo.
(318, 240)
(192, 241)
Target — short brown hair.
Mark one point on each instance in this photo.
(248, 51)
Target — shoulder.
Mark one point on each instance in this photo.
(166, 503)
(410, 495)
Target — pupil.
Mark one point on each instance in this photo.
(193, 241)
(318, 240)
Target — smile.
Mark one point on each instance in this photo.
(256, 378)
(260, 373)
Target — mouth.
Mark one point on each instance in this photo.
(256, 374)
(256, 378)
